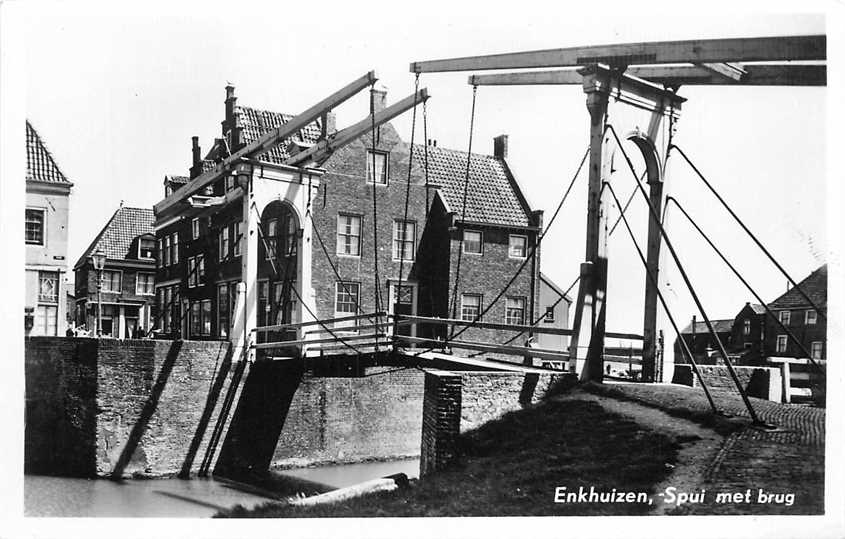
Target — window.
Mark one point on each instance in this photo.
(34, 227)
(270, 238)
(223, 310)
(166, 309)
(404, 240)
(517, 246)
(200, 270)
(48, 287)
(160, 260)
(380, 161)
(201, 317)
(290, 236)
(346, 297)
(195, 228)
(746, 327)
(263, 306)
(166, 258)
(781, 344)
(549, 317)
(146, 248)
(349, 235)
(816, 349)
(470, 306)
(810, 317)
(515, 311)
(111, 281)
(236, 248)
(784, 317)
(145, 285)
(223, 251)
(192, 272)
(46, 320)
(230, 183)
(175, 244)
(473, 243)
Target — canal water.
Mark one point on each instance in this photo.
(69, 497)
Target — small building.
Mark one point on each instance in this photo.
(701, 342)
(45, 234)
(128, 276)
(747, 334)
(800, 316)
(554, 309)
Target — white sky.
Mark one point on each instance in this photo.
(117, 96)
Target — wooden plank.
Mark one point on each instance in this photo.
(500, 349)
(755, 49)
(327, 321)
(474, 362)
(349, 329)
(284, 344)
(756, 75)
(325, 147)
(727, 71)
(484, 325)
(268, 140)
(673, 76)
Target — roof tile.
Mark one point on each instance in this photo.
(814, 285)
(116, 237)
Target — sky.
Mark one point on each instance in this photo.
(117, 95)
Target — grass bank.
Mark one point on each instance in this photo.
(512, 467)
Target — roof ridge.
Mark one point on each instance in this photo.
(418, 145)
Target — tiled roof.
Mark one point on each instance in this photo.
(176, 180)
(40, 165)
(721, 326)
(757, 308)
(815, 286)
(491, 195)
(116, 237)
(256, 122)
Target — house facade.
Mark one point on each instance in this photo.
(802, 319)
(128, 276)
(554, 309)
(46, 235)
(701, 342)
(748, 334)
(433, 258)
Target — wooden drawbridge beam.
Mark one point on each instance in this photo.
(700, 51)
(268, 140)
(673, 76)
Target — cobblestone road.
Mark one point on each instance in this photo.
(789, 460)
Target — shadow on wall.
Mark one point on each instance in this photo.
(140, 426)
(259, 418)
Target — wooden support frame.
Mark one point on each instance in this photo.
(301, 342)
(493, 348)
(326, 321)
(505, 327)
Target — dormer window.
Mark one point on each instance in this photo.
(146, 248)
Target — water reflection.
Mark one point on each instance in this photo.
(67, 497)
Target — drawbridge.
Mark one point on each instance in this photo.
(645, 77)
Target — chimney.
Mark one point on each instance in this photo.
(195, 150)
(500, 147)
(230, 124)
(328, 124)
(379, 97)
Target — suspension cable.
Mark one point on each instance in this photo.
(653, 280)
(464, 204)
(746, 229)
(398, 292)
(744, 282)
(693, 293)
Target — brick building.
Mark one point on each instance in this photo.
(46, 233)
(801, 318)
(492, 237)
(128, 277)
(701, 343)
(748, 333)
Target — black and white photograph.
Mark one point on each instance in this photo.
(375, 269)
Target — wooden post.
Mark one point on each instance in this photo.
(590, 310)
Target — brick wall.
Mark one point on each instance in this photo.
(760, 382)
(456, 402)
(148, 407)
